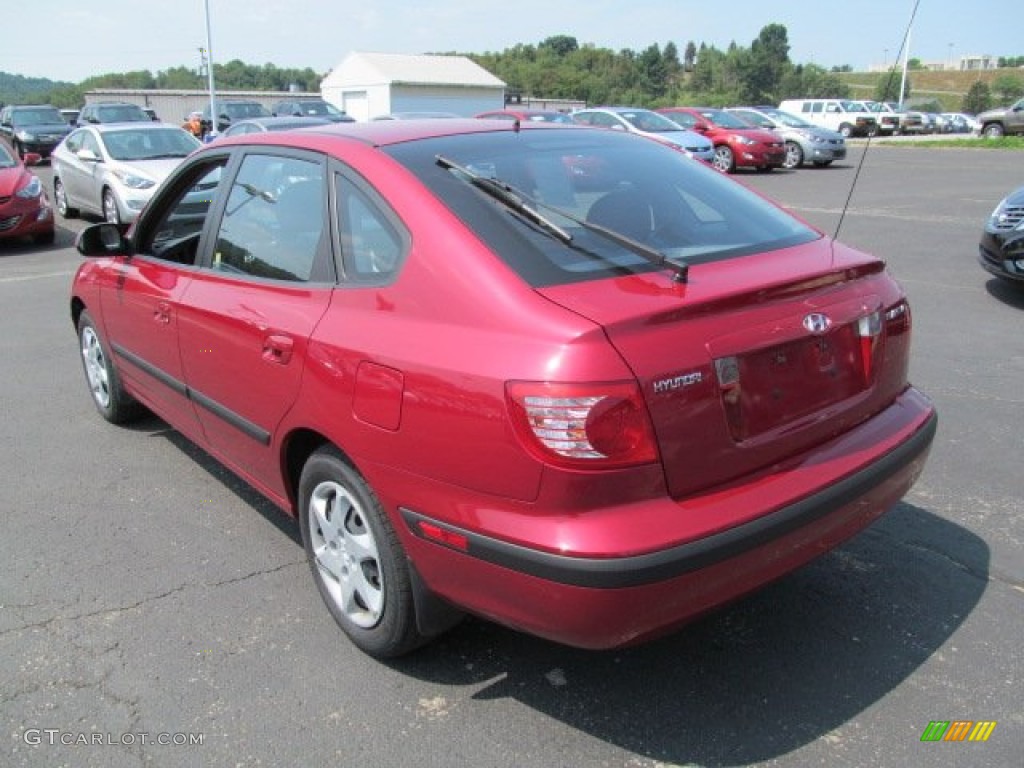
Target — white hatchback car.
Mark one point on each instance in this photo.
(112, 169)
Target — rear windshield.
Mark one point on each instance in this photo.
(239, 110)
(122, 113)
(627, 183)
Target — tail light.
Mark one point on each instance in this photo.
(593, 425)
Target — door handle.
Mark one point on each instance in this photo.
(277, 348)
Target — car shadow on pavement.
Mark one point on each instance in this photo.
(784, 667)
(1012, 295)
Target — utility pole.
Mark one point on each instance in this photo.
(209, 70)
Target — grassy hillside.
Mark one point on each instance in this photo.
(948, 88)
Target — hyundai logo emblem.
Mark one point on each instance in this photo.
(817, 322)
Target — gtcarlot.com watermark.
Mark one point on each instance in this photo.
(35, 737)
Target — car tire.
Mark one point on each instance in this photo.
(993, 131)
(111, 213)
(357, 562)
(794, 156)
(724, 160)
(108, 396)
(60, 199)
(846, 130)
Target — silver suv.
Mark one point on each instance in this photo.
(805, 143)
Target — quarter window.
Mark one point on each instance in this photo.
(371, 245)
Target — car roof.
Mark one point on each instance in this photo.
(133, 125)
(387, 132)
(283, 121)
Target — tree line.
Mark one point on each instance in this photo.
(559, 67)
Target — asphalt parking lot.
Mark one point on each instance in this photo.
(155, 611)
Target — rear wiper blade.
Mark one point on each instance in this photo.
(521, 203)
(505, 193)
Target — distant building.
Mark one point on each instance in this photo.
(173, 106)
(978, 62)
(960, 64)
(368, 85)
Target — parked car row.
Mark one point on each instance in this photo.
(762, 138)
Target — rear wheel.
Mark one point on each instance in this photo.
(993, 131)
(724, 160)
(100, 374)
(356, 559)
(846, 129)
(794, 155)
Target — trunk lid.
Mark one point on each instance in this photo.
(756, 359)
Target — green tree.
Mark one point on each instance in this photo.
(1007, 88)
(977, 99)
(562, 45)
(689, 56)
(813, 82)
(888, 86)
(765, 65)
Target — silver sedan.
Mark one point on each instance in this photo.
(112, 169)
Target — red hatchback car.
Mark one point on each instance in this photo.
(24, 208)
(737, 144)
(589, 411)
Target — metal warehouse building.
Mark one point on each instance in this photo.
(368, 85)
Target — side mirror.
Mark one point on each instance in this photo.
(103, 239)
(31, 158)
(87, 155)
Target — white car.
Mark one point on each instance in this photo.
(648, 123)
(112, 169)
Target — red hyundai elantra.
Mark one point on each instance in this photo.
(24, 208)
(737, 144)
(566, 379)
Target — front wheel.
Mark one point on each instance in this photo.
(60, 197)
(110, 399)
(724, 160)
(993, 131)
(846, 130)
(356, 559)
(794, 156)
(110, 210)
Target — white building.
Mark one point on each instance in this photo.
(367, 85)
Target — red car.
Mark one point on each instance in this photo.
(737, 144)
(24, 208)
(589, 412)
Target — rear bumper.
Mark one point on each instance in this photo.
(605, 602)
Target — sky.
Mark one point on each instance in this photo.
(75, 40)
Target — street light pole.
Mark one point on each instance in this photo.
(209, 70)
(906, 58)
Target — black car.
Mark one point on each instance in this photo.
(1001, 251)
(112, 112)
(311, 108)
(231, 110)
(38, 128)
